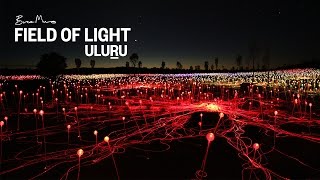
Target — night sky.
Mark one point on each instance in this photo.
(162, 30)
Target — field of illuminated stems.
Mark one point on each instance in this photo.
(182, 126)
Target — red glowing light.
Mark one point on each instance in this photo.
(256, 146)
(210, 137)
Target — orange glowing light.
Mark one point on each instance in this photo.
(80, 152)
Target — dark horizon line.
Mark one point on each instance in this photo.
(186, 67)
(84, 70)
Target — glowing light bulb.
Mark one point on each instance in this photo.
(21, 92)
(275, 113)
(1, 123)
(212, 107)
(106, 139)
(210, 137)
(69, 126)
(35, 111)
(221, 115)
(95, 132)
(75, 108)
(310, 104)
(256, 146)
(63, 109)
(80, 152)
(6, 118)
(41, 112)
(201, 115)
(123, 118)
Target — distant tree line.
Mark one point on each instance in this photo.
(53, 64)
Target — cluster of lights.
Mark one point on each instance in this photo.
(157, 106)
